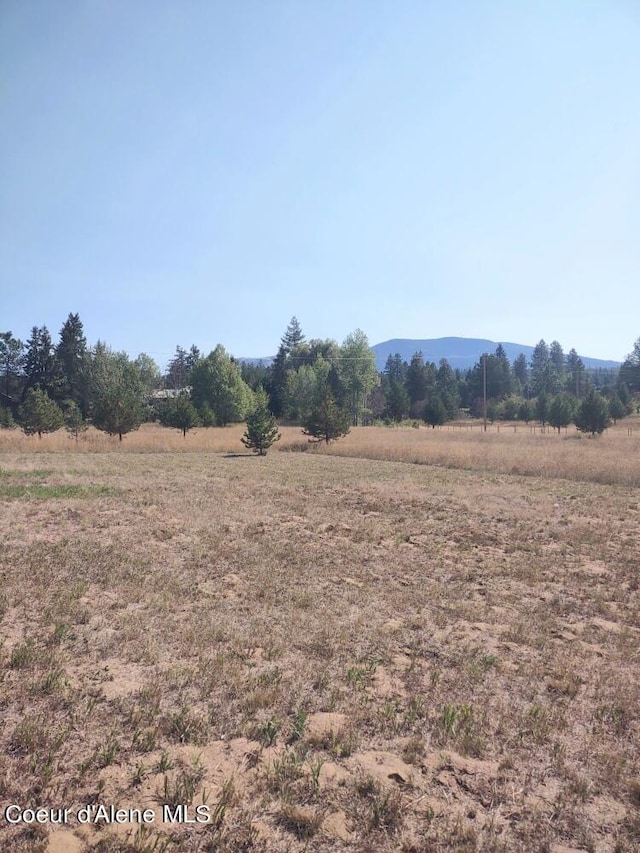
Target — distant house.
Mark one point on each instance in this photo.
(169, 393)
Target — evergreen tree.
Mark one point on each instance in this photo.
(178, 372)
(175, 376)
(327, 420)
(6, 418)
(625, 398)
(262, 428)
(278, 382)
(575, 375)
(630, 369)
(11, 363)
(206, 415)
(293, 336)
(521, 373)
(617, 409)
(116, 391)
(527, 411)
(542, 407)
(397, 401)
(499, 380)
(435, 411)
(395, 369)
(74, 423)
(39, 362)
(39, 413)
(559, 366)
(71, 363)
(592, 415)
(561, 411)
(447, 387)
(543, 377)
(180, 413)
(416, 382)
(255, 375)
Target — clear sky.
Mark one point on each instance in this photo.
(198, 172)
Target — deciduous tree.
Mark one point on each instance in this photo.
(358, 373)
(217, 382)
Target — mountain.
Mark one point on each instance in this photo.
(255, 362)
(461, 353)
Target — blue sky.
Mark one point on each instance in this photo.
(199, 172)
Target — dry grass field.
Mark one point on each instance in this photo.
(327, 650)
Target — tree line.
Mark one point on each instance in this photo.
(324, 386)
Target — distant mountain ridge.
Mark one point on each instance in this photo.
(461, 353)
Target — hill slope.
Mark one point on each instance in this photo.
(461, 353)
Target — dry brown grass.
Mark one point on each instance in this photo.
(507, 449)
(613, 458)
(331, 653)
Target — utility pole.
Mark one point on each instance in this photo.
(484, 383)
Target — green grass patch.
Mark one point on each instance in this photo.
(36, 474)
(41, 491)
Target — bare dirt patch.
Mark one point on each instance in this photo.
(325, 653)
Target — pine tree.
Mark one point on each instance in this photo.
(39, 362)
(11, 360)
(180, 413)
(71, 362)
(435, 411)
(327, 420)
(416, 382)
(40, 413)
(178, 373)
(293, 336)
(73, 421)
(543, 377)
(397, 402)
(447, 386)
(630, 369)
(558, 365)
(561, 411)
(117, 393)
(575, 378)
(395, 369)
(543, 403)
(262, 428)
(593, 414)
(521, 373)
(617, 409)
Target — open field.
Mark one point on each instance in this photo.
(330, 653)
(505, 448)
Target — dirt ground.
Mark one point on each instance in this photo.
(310, 652)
